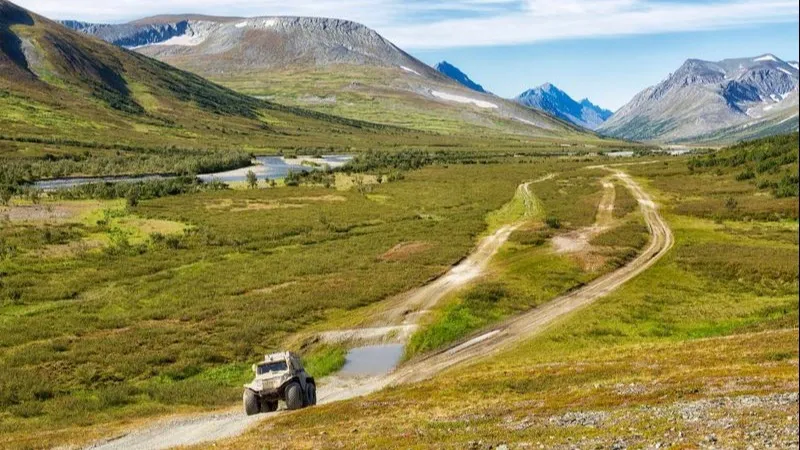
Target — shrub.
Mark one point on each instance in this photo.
(6, 193)
(746, 175)
(132, 198)
(252, 180)
(553, 222)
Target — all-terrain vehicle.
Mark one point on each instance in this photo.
(279, 377)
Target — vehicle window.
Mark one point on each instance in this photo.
(277, 366)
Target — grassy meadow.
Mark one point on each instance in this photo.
(385, 95)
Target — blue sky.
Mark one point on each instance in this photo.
(606, 50)
(609, 71)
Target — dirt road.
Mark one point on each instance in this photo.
(208, 427)
(536, 321)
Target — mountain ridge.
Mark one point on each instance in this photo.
(703, 98)
(309, 41)
(329, 65)
(553, 100)
(62, 86)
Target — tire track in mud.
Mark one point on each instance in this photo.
(204, 428)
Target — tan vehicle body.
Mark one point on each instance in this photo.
(280, 377)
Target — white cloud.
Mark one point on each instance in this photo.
(424, 24)
(565, 19)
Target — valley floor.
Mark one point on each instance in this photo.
(698, 350)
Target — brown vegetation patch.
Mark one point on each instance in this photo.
(404, 251)
(319, 198)
(257, 206)
(271, 289)
(590, 261)
(45, 213)
(220, 204)
(69, 249)
(261, 205)
(250, 205)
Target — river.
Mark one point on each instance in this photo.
(271, 167)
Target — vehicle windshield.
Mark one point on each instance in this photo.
(277, 366)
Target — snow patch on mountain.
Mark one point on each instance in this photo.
(187, 40)
(462, 99)
(526, 122)
(767, 58)
(410, 70)
(264, 23)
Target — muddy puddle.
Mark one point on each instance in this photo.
(372, 360)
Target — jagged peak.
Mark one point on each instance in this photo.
(548, 86)
(458, 75)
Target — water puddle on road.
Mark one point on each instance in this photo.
(372, 360)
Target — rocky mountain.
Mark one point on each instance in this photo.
(60, 85)
(328, 65)
(550, 99)
(258, 43)
(724, 100)
(456, 74)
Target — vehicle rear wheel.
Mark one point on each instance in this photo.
(269, 406)
(250, 400)
(311, 394)
(294, 396)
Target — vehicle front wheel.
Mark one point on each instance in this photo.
(250, 400)
(311, 394)
(269, 406)
(294, 396)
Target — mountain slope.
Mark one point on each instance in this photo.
(713, 101)
(331, 66)
(60, 86)
(456, 74)
(550, 99)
